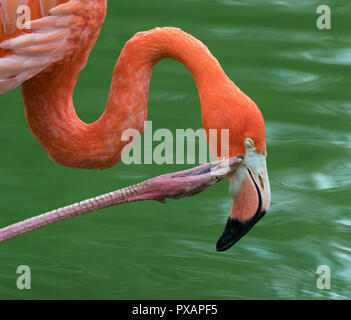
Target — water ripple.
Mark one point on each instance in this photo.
(328, 56)
(298, 4)
(266, 34)
(279, 133)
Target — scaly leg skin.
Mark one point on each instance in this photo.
(174, 186)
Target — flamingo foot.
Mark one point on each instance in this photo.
(189, 182)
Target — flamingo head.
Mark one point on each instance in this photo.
(250, 190)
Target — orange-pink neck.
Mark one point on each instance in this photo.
(69, 141)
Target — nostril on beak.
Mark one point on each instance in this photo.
(261, 182)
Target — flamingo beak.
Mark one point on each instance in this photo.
(250, 190)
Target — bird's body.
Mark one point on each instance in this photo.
(47, 58)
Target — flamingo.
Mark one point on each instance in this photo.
(46, 56)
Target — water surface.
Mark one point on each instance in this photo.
(300, 78)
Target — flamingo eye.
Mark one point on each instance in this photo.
(249, 142)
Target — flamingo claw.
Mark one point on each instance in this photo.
(192, 181)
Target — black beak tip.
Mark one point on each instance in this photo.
(231, 234)
(235, 230)
(223, 246)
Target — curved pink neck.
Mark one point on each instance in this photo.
(69, 141)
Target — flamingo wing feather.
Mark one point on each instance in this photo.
(44, 40)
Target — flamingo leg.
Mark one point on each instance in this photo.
(174, 186)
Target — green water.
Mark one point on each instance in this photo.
(300, 78)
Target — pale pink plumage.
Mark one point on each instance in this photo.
(49, 39)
